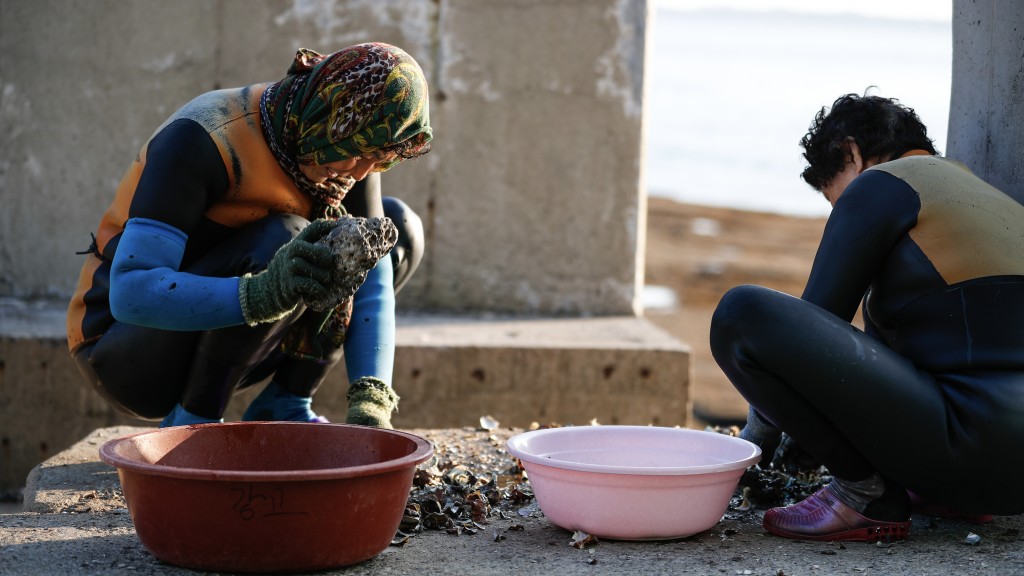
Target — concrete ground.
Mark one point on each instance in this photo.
(74, 523)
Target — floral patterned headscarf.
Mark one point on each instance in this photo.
(362, 99)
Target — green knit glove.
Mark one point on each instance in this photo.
(299, 268)
(370, 402)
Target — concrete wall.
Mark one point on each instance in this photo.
(531, 195)
(986, 112)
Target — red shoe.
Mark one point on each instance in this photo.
(821, 516)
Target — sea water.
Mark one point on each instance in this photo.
(730, 93)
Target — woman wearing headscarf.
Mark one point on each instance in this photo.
(195, 283)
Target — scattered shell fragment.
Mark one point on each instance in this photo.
(531, 511)
(488, 422)
(358, 244)
(581, 539)
(744, 504)
(972, 539)
(462, 488)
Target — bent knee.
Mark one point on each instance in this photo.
(745, 304)
(741, 311)
(408, 251)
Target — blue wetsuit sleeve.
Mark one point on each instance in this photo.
(872, 215)
(147, 289)
(370, 341)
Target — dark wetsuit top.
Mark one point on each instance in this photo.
(938, 256)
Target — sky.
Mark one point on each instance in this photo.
(929, 10)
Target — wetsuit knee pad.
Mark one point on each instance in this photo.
(248, 249)
(740, 310)
(124, 394)
(265, 236)
(408, 251)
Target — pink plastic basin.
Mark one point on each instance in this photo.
(266, 496)
(633, 482)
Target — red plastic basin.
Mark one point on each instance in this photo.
(266, 496)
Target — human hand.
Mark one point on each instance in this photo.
(299, 269)
(357, 244)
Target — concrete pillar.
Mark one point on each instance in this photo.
(986, 112)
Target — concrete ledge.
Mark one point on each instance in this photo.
(618, 370)
(449, 371)
(75, 480)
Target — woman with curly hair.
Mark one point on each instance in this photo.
(926, 404)
(196, 282)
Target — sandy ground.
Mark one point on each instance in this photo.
(701, 252)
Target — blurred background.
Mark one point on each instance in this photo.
(732, 87)
(734, 84)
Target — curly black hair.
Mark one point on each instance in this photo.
(883, 128)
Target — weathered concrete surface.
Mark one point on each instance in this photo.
(71, 532)
(615, 370)
(544, 101)
(986, 111)
(449, 371)
(531, 198)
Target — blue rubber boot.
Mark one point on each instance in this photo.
(181, 417)
(275, 404)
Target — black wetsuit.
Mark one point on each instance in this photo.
(931, 394)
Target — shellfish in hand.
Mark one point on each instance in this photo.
(358, 244)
